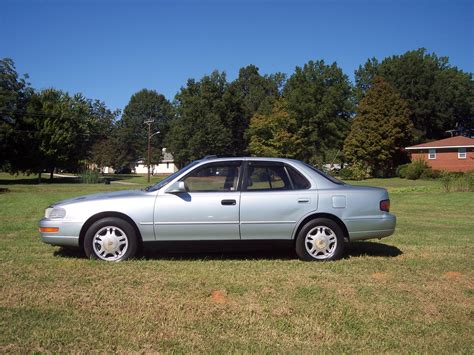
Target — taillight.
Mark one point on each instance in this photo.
(385, 205)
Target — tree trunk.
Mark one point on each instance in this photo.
(39, 177)
(51, 175)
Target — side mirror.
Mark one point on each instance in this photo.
(176, 188)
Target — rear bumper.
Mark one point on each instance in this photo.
(368, 228)
(68, 234)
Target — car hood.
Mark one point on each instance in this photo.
(102, 196)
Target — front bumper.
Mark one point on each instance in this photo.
(369, 228)
(68, 234)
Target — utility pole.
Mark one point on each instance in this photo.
(149, 122)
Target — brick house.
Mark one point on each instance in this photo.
(450, 154)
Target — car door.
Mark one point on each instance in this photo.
(274, 197)
(209, 210)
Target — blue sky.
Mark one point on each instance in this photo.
(110, 49)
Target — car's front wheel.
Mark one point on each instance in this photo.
(110, 239)
(320, 239)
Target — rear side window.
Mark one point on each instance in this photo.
(299, 181)
(264, 177)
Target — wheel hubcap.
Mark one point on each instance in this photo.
(321, 242)
(110, 243)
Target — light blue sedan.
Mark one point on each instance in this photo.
(225, 199)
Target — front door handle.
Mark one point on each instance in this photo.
(228, 202)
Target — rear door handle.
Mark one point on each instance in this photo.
(304, 200)
(228, 202)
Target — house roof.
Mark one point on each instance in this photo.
(167, 158)
(452, 142)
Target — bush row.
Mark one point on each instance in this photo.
(418, 169)
(458, 182)
(450, 181)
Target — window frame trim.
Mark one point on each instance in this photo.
(462, 152)
(432, 151)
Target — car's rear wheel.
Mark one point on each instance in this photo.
(320, 239)
(110, 239)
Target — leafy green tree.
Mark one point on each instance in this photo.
(275, 134)
(104, 142)
(438, 94)
(15, 93)
(131, 139)
(63, 129)
(245, 96)
(319, 97)
(207, 118)
(256, 92)
(380, 130)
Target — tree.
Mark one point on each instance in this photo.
(275, 134)
(104, 142)
(63, 129)
(132, 135)
(248, 94)
(256, 92)
(15, 93)
(380, 130)
(439, 96)
(206, 119)
(319, 97)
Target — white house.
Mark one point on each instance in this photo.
(165, 166)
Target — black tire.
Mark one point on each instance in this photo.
(324, 238)
(121, 234)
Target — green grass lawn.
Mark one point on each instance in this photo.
(411, 292)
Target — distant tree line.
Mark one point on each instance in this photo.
(315, 114)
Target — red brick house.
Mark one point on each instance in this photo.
(450, 154)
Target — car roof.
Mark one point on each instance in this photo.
(212, 158)
(317, 179)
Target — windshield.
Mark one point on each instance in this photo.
(167, 179)
(326, 176)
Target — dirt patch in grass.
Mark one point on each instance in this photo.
(452, 275)
(379, 276)
(219, 296)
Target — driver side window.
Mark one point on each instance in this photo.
(214, 177)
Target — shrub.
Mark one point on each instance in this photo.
(345, 174)
(401, 171)
(457, 182)
(356, 171)
(90, 177)
(463, 183)
(446, 181)
(416, 169)
(430, 174)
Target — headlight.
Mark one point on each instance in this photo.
(55, 213)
